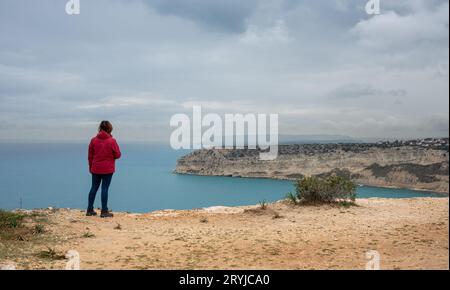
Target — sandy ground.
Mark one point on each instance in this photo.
(408, 234)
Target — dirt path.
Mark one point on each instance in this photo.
(408, 234)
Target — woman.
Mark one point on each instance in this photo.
(103, 152)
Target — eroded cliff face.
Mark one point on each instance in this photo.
(404, 166)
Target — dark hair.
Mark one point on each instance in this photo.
(105, 126)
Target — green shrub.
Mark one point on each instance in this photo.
(263, 205)
(10, 219)
(51, 254)
(330, 190)
(88, 235)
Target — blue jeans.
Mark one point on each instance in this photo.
(105, 180)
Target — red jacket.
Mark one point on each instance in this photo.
(103, 152)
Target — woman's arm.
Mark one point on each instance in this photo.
(90, 155)
(116, 150)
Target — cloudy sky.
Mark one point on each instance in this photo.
(326, 67)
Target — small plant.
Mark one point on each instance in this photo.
(292, 198)
(88, 235)
(51, 254)
(118, 227)
(263, 205)
(204, 220)
(38, 229)
(20, 238)
(12, 226)
(10, 219)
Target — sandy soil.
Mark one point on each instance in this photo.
(408, 234)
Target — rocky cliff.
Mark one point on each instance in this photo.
(394, 165)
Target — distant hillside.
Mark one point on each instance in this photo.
(416, 164)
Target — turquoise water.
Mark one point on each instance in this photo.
(43, 175)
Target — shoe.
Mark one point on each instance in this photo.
(91, 213)
(106, 214)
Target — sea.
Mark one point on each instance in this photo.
(56, 175)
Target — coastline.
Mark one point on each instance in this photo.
(408, 233)
(444, 193)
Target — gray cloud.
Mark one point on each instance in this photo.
(437, 124)
(353, 91)
(230, 15)
(398, 93)
(325, 66)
